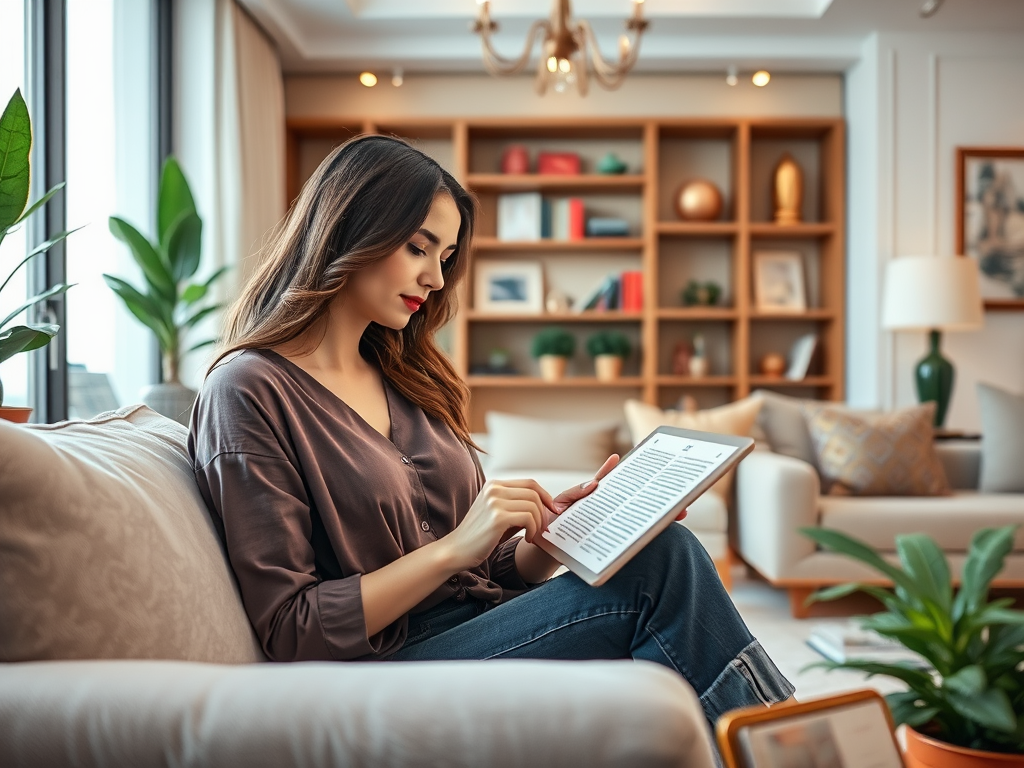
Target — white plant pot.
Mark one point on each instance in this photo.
(608, 367)
(552, 367)
(171, 400)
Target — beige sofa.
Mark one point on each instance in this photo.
(123, 642)
(777, 494)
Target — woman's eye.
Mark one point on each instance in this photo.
(416, 251)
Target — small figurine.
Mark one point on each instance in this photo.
(610, 165)
(681, 355)
(698, 363)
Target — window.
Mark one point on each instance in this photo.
(13, 372)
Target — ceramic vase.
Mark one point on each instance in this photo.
(515, 160)
(608, 367)
(925, 752)
(171, 400)
(552, 367)
(788, 191)
(698, 366)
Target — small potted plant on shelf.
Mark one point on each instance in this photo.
(609, 350)
(170, 304)
(15, 149)
(553, 347)
(968, 709)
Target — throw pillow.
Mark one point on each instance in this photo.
(107, 550)
(732, 419)
(520, 442)
(888, 455)
(1002, 449)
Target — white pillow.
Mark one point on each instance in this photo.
(520, 442)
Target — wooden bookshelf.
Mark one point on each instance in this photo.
(737, 154)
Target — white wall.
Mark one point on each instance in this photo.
(910, 101)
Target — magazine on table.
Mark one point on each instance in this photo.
(638, 499)
(850, 642)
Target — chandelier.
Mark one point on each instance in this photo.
(565, 45)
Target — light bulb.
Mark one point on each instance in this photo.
(731, 77)
(397, 78)
(564, 66)
(761, 78)
(552, 64)
(368, 79)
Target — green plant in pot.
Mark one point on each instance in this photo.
(553, 346)
(609, 350)
(971, 704)
(15, 177)
(171, 304)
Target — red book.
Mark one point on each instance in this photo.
(577, 224)
(558, 163)
(632, 291)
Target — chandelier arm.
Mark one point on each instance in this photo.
(497, 64)
(540, 82)
(609, 75)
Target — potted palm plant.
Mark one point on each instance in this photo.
(553, 347)
(15, 151)
(609, 350)
(170, 303)
(968, 710)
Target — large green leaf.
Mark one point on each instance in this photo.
(175, 199)
(15, 148)
(907, 707)
(45, 246)
(836, 591)
(201, 314)
(985, 557)
(926, 564)
(41, 202)
(146, 257)
(990, 708)
(858, 550)
(915, 677)
(55, 291)
(184, 246)
(25, 338)
(146, 309)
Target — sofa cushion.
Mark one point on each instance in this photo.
(891, 455)
(107, 550)
(735, 418)
(1002, 450)
(521, 442)
(950, 520)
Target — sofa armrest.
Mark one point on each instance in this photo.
(775, 495)
(493, 713)
(962, 461)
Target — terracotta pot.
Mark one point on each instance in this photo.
(925, 752)
(552, 367)
(608, 367)
(14, 413)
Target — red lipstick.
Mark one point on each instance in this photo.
(412, 302)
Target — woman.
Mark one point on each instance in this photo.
(330, 442)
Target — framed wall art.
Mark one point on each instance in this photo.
(779, 282)
(990, 220)
(512, 287)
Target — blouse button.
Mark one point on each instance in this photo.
(405, 460)
(425, 525)
(453, 580)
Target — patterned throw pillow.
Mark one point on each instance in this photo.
(888, 455)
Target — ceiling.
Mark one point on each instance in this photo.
(684, 35)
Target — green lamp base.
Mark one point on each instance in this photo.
(935, 378)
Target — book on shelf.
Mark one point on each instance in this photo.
(632, 291)
(519, 216)
(606, 226)
(848, 641)
(801, 356)
(616, 292)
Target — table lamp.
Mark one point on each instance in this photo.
(932, 293)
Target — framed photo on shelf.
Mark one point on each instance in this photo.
(513, 287)
(990, 220)
(779, 282)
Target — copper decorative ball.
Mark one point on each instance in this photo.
(773, 364)
(698, 200)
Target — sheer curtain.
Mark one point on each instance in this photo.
(229, 137)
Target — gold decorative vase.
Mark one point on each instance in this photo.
(788, 191)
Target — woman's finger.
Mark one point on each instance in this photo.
(567, 498)
(529, 484)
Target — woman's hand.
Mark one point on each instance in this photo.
(500, 508)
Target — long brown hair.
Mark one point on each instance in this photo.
(361, 205)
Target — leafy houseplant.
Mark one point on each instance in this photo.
(170, 304)
(552, 347)
(609, 349)
(15, 174)
(973, 698)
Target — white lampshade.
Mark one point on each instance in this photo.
(932, 293)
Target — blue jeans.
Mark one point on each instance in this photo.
(666, 605)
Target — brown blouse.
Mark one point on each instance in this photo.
(307, 496)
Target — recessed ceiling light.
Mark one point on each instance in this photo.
(761, 78)
(731, 76)
(368, 79)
